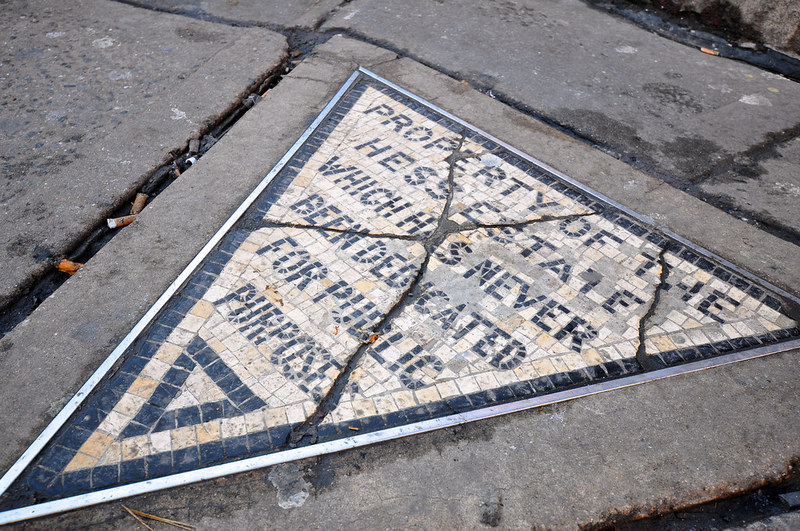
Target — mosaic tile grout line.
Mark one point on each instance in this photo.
(66, 412)
(366, 439)
(589, 191)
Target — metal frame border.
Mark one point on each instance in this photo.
(252, 463)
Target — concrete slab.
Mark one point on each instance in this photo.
(681, 427)
(785, 522)
(673, 111)
(304, 13)
(89, 110)
(767, 177)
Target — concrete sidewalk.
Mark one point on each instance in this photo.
(623, 454)
(90, 112)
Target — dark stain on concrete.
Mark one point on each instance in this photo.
(492, 510)
(85, 332)
(692, 155)
(195, 34)
(673, 96)
(613, 136)
(720, 17)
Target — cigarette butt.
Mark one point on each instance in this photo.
(709, 51)
(68, 266)
(138, 204)
(177, 171)
(265, 93)
(352, 428)
(114, 223)
(373, 338)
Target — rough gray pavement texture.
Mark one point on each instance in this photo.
(636, 451)
(301, 13)
(784, 522)
(766, 182)
(96, 95)
(775, 23)
(670, 110)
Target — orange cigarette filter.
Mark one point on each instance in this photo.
(114, 223)
(68, 266)
(138, 204)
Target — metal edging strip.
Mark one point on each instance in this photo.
(584, 188)
(58, 421)
(365, 439)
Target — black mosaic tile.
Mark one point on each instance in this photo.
(211, 453)
(104, 476)
(158, 465)
(132, 470)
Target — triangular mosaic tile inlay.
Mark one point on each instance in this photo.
(401, 266)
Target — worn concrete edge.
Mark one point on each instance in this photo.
(146, 161)
(325, 71)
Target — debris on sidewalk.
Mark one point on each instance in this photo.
(68, 266)
(791, 499)
(138, 515)
(136, 209)
(138, 204)
(709, 51)
(251, 100)
(115, 223)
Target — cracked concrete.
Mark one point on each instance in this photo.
(693, 465)
(651, 363)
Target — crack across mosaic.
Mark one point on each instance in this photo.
(400, 267)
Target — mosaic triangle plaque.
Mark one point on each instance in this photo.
(398, 267)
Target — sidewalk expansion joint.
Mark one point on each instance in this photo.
(158, 180)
